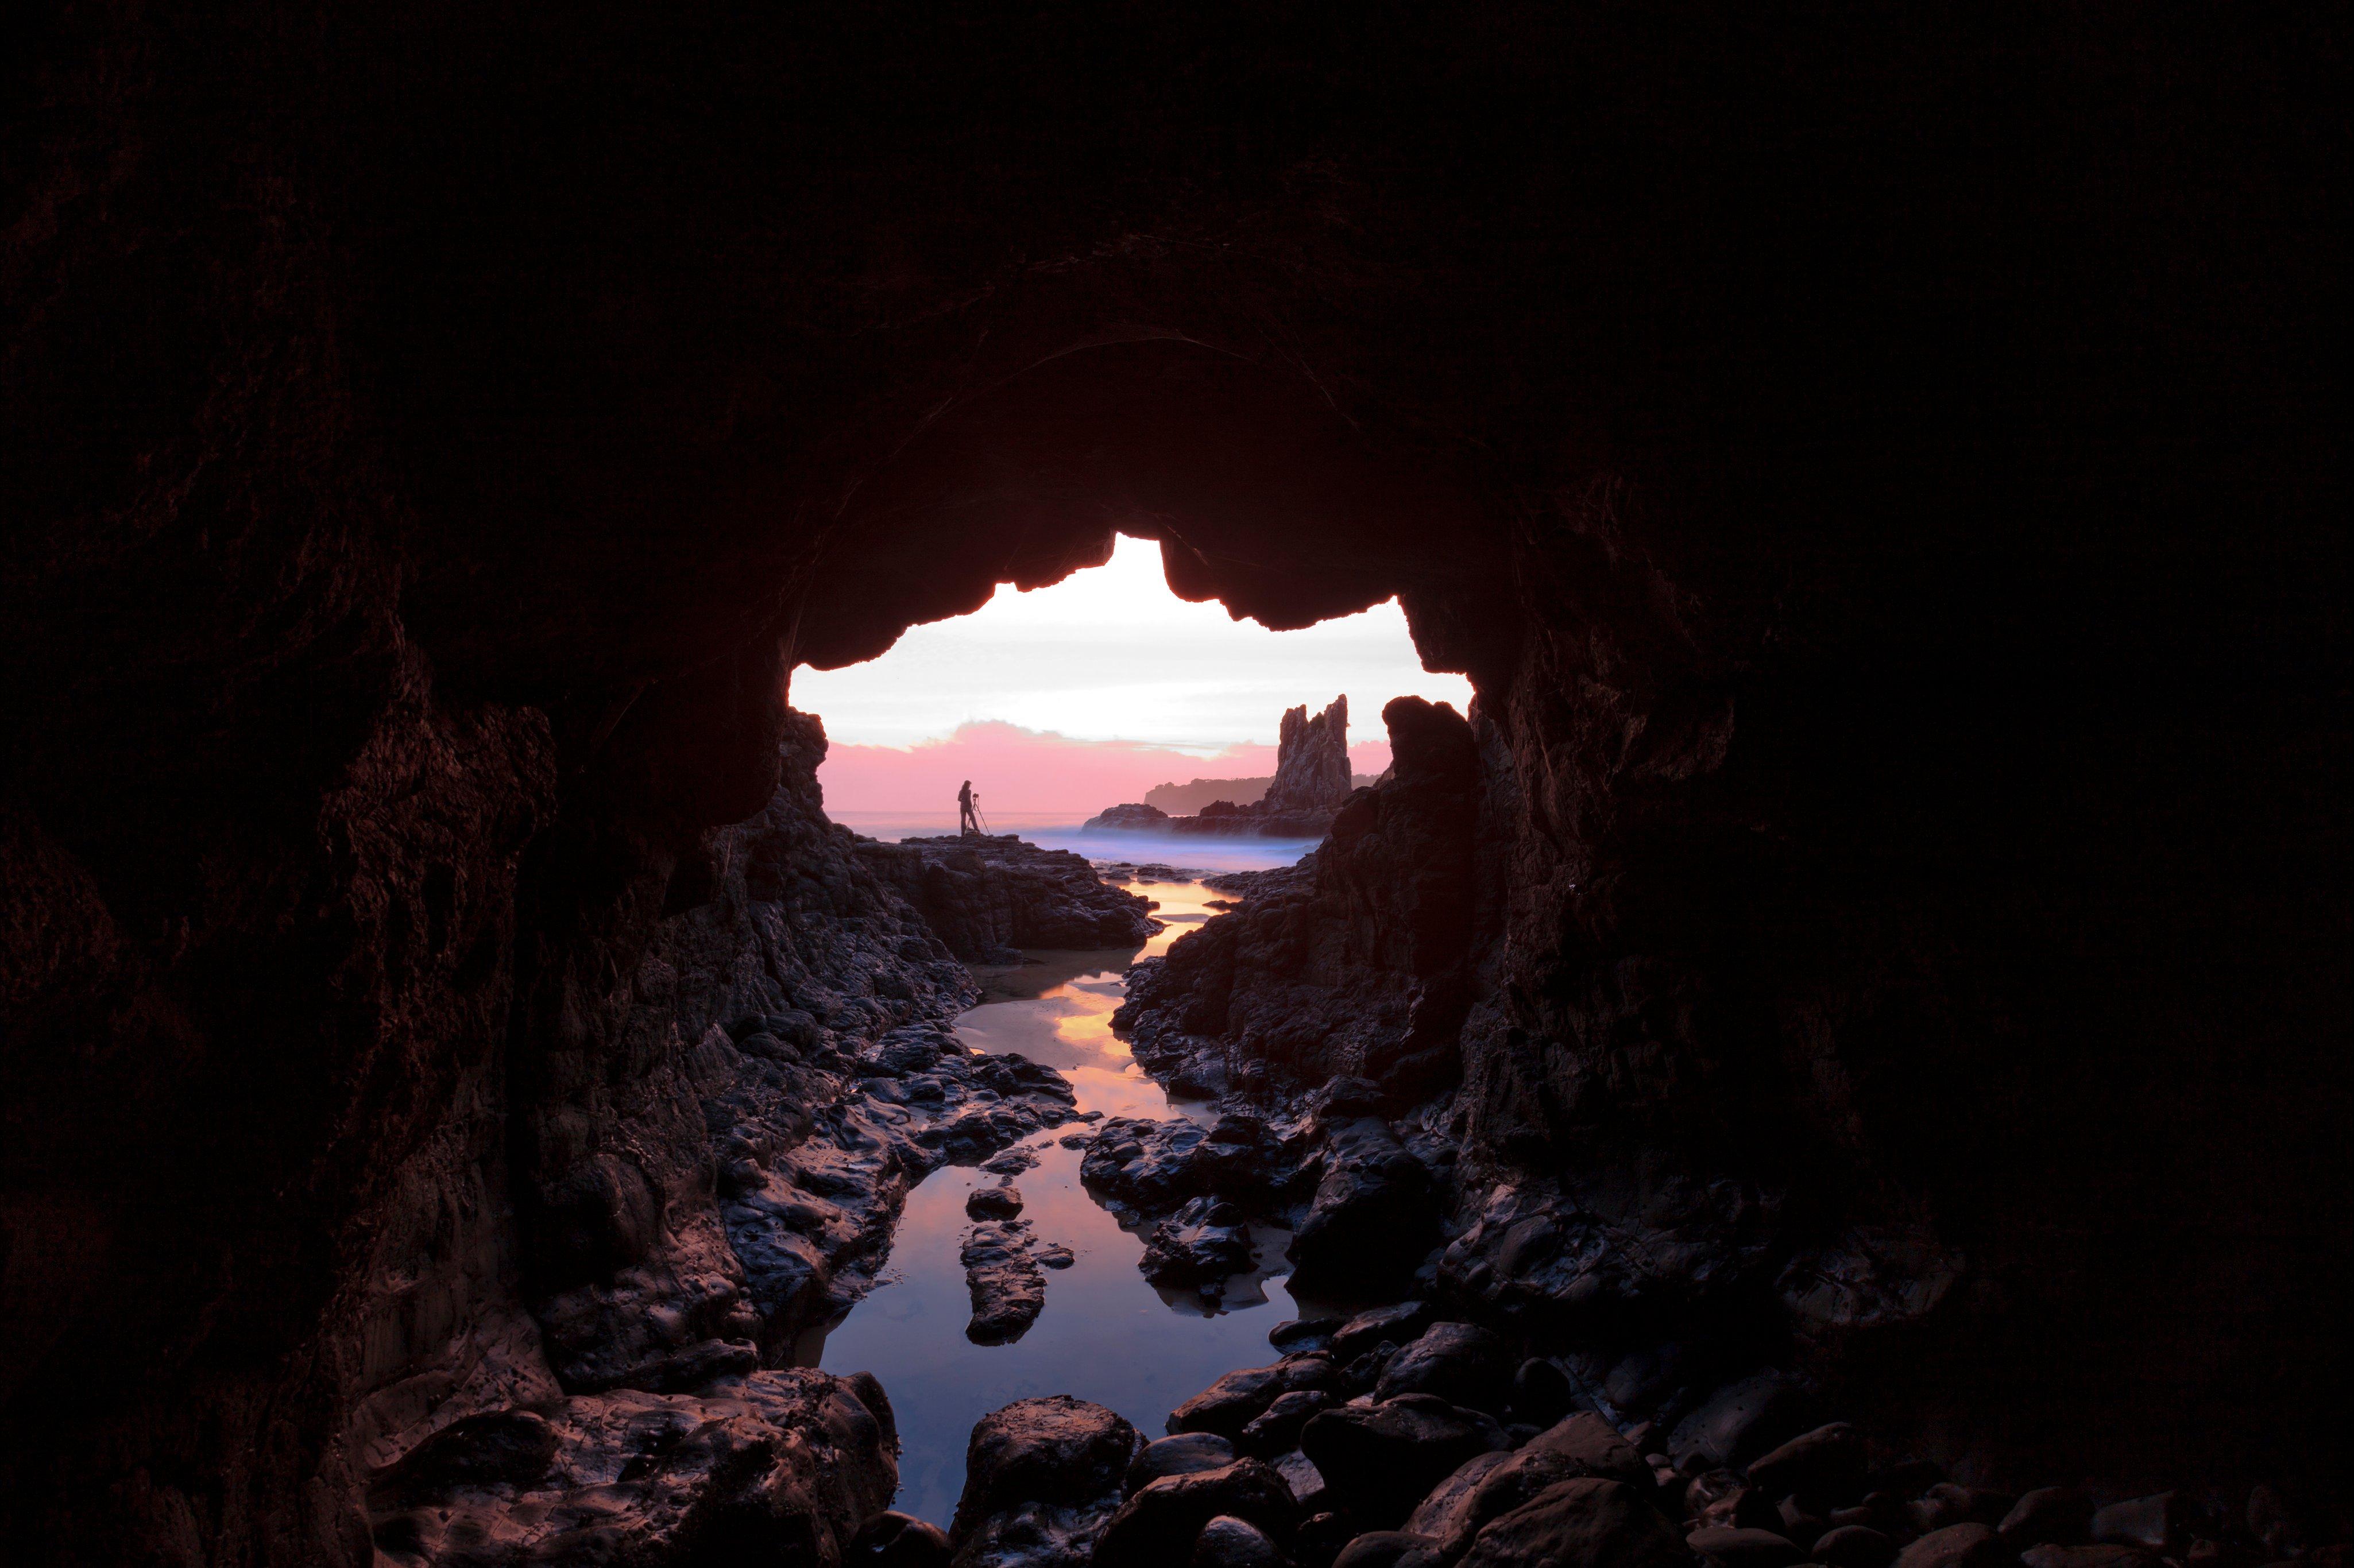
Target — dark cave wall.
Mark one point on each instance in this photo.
(1882, 477)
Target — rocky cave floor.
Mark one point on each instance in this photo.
(1444, 1427)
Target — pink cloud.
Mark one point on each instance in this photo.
(1015, 770)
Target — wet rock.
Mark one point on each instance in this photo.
(1180, 1455)
(1801, 1526)
(1958, 1546)
(1389, 1549)
(1297, 1334)
(1460, 1362)
(1824, 1466)
(1719, 1497)
(1157, 1526)
(1231, 1402)
(1152, 1167)
(1305, 1481)
(1724, 1546)
(1563, 1253)
(1372, 1218)
(1278, 1427)
(1379, 1461)
(1580, 1524)
(2057, 1556)
(2155, 1522)
(1542, 1393)
(1320, 1540)
(1948, 1503)
(777, 1459)
(998, 1203)
(1854, 1546)
(2049, 1516)
(1443, 1513)
(1400, 1324)
(981, 895)
(2274, 1519)
(894, 1540)
(1010, 1161)
(1741, 1421)
(1002, 1276)
(1042, 1476)
(1230, 1542)
(1361, 1376)
(1053, 1254)
(1490, 1485)
(1206, 1241)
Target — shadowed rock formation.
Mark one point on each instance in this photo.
(1311, 779)
(1311, 761)
(986, 897)
(1886, 490)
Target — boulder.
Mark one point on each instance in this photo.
(1181, 1454)
(1460, 1362)
(2049, 1516)
(1373, 1219)
(1003, 1276)
(1052, 1450)
(1230, 1542)
(998, 1203)
(1824, 1466)
(2154, 1522)
(1278, 1428)
(1294, 1335)
(1491, 1485)
(1588, 1523)
(895, 1540)
(1236, 1400)
(1156, 1527)
(1727, 1546)
(1741, 1421)
(1958, 1546)
(1389, 1549)
(2055, 1556)
(1854, 1546)
(1400, 1324)
(1380, 1461)
(1207, 1240)
(1542, 1393)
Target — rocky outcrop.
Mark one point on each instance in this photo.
(1043, 1477)
(789, 1460)
(1311, 780)
(1356, 961)
(987, 897)
(1312, 762)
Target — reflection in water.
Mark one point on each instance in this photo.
(1106, 1335)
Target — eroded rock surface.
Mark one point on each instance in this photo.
(762, 1465)
(1043, 1477)
(1002, 1271)
(988, 896)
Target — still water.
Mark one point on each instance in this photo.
(1106, 1335)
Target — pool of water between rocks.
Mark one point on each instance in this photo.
(1107, 1335)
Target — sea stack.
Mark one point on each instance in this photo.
(1311, 780)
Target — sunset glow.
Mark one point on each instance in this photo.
(1082, 695)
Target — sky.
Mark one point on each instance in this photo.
(1083, 694)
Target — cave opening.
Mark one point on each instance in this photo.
(1086, 715)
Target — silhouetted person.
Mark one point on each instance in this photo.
(967, 820)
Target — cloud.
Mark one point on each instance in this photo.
(1015, 771)
(1110, 652)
